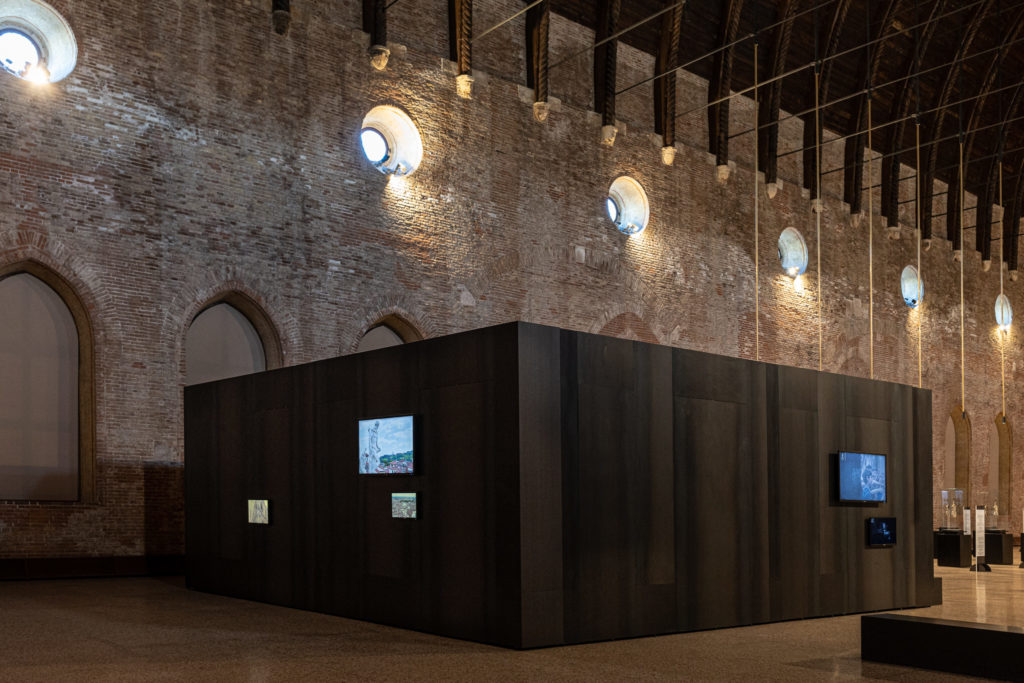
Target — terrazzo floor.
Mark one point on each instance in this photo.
(155, 630)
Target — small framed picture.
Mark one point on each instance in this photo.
(259, 512)
(403, 505)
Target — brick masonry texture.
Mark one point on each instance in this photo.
(194, 152)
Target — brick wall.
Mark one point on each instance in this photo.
(193, 151)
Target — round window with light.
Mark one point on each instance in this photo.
(627, 205)
(391, 141)
(36, 43)
(912, 287)
(1004, 312)
(792, 252)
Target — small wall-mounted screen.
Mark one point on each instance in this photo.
(259, 512)
(403, 505)
(881, 531)
(386, 445)
(861, 478)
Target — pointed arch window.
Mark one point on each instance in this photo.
(46, 389)
(230, 336)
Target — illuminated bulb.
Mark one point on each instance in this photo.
(613, 209)
(793, 271)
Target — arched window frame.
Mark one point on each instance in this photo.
(86, 370)
(254, 313)
(397, 324)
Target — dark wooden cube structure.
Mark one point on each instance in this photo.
(572, 488)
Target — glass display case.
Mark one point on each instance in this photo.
(952, 508)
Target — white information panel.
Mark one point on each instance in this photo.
(967, 520)
(979, 538)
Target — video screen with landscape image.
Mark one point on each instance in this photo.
(403, 505)
(386, 445)
(861, 477)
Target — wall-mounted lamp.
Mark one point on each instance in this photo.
(391, 141)
(792, 252)
(912, 287)
(627, 205)
(1004, 313)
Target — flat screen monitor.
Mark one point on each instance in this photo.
(386, 445)
(881, 531)
(861, 477)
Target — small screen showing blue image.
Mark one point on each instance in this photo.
(861, 478)
(386, 445)
(881, 532)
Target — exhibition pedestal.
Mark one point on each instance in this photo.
(998, 547)
(952, 548)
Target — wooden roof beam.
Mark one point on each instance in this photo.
(720, 84)
(665, 86)
(605, 68)
(771, 104)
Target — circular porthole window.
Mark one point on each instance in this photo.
(391, 141)
(911, 286)
(1004, 312)
(627, 205)
(36, 43)
(792, 252)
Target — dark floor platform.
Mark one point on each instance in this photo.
(960, 647)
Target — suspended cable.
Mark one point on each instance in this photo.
(917, 197)
(726, 47)
(1002, 337)
(963, 389)
(817, 213)
(757, 233)
(920, 278)
(871, 225)
(505, 21)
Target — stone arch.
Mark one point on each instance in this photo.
(191, 300)
(79, 310)
(252, 310)
(399, 318)
(962, 452)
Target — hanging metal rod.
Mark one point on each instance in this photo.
(798, 69)
(905, 118)
(505, 21)
(616, 35)
(858, 93)
(726, 47)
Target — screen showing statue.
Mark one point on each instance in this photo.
(386, 445)
(861, 477)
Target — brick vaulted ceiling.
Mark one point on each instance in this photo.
(959, 63)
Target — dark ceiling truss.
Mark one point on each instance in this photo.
(666, 63)
(281, 15)
(826, 66)
(375, 21)
(934, 124)
(771, 104)
(605, 61)
(1013, 211)
(538, 21)
(1010, 226)
(721, 82)
(983, 237)
(907, 94)
(893, 54)
(854, 151)
(460, 27)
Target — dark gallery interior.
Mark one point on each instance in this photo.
(521, 339)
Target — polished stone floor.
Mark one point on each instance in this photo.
(154, 629)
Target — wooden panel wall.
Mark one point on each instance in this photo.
(572, 488)
(290, 436)
(697, 492)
